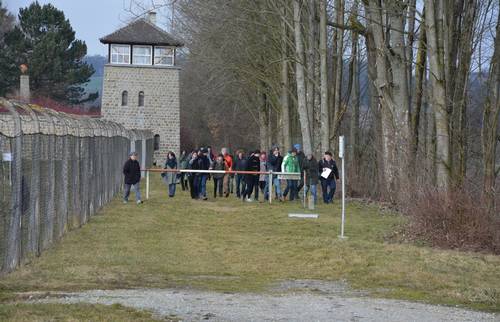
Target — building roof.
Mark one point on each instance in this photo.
(141, 32)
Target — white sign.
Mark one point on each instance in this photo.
(326, 173)
(7, 157)
(341, 147)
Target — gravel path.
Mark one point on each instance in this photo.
(191, 305)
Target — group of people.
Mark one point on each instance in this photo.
(297, 170)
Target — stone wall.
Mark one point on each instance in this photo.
(161, 110)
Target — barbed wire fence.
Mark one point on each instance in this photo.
(56, 171)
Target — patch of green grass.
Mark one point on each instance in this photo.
(71, 312)
(227, 245)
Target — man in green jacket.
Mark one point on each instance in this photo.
(291, 164)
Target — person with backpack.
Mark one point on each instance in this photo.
(192, 164)
(219, 164)
(252, 180)
(183, 164)
(329, 175)
(311, 170)
(227, 182)
(263, 178)
(274, 165)
(170, 178)
(291, 164)
(203, 163)
(132, 174)
(301, 157)
(240, 164)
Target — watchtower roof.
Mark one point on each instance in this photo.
(141, 32)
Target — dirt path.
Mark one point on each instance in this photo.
(191, 305)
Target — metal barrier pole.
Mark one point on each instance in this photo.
(305, 187)
(270, 187)
(147, 184)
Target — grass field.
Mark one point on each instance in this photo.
(230, 246)
(74, 312)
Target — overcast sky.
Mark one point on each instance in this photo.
(91, 19)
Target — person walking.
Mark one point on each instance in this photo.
(132, 174)
(228, 160)
(263, 178)
(300, 158)
(170, 178)
(329, 175)
(274, 165)
(291, 164)
(311, 169)
(240, 164)
(183, 164)
(192, 164)
(252, 180)
(219, 164)
(203, 164)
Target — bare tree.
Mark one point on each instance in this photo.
(300, 79)
(491, 116)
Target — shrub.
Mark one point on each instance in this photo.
(457, 220)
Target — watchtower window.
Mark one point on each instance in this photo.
(120, 54)
(124, 98)
(156, 142)
(141, 98)
(164, 56)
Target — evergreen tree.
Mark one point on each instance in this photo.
(6, 24)
(45, 41)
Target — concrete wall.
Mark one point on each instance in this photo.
(161, 110)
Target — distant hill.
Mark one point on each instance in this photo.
(98, 62)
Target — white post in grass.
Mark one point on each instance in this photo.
(147, 185)
(270, 187)
(342, 156)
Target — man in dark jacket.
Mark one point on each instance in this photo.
(132, 173)
(275, 160)
(311, 179)
(328, 184)
(203, 164)
(301, 157)
(240, 164)
(252, 180)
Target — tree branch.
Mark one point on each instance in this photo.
(356, 28)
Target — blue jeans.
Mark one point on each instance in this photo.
(136, 187)
(203, 185)
(240, 185)
(277, 187)
(328, 186)
(291, 186)
(171, 189)
(314, 191)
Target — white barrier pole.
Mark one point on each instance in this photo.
(270, 187)
(147, 185)
(342, 156)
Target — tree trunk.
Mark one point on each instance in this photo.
(434, 30)
(325, 113)
(417, 98)
(490, 132)
(354, 126)
(263, 122)
(285, 106)
(338, 72)
(300, 80)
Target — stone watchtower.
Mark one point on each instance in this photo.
(141, 82)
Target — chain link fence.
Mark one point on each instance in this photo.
(56, 171)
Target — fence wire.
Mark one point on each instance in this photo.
(56, 171)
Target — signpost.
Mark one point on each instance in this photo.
(342, 156)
